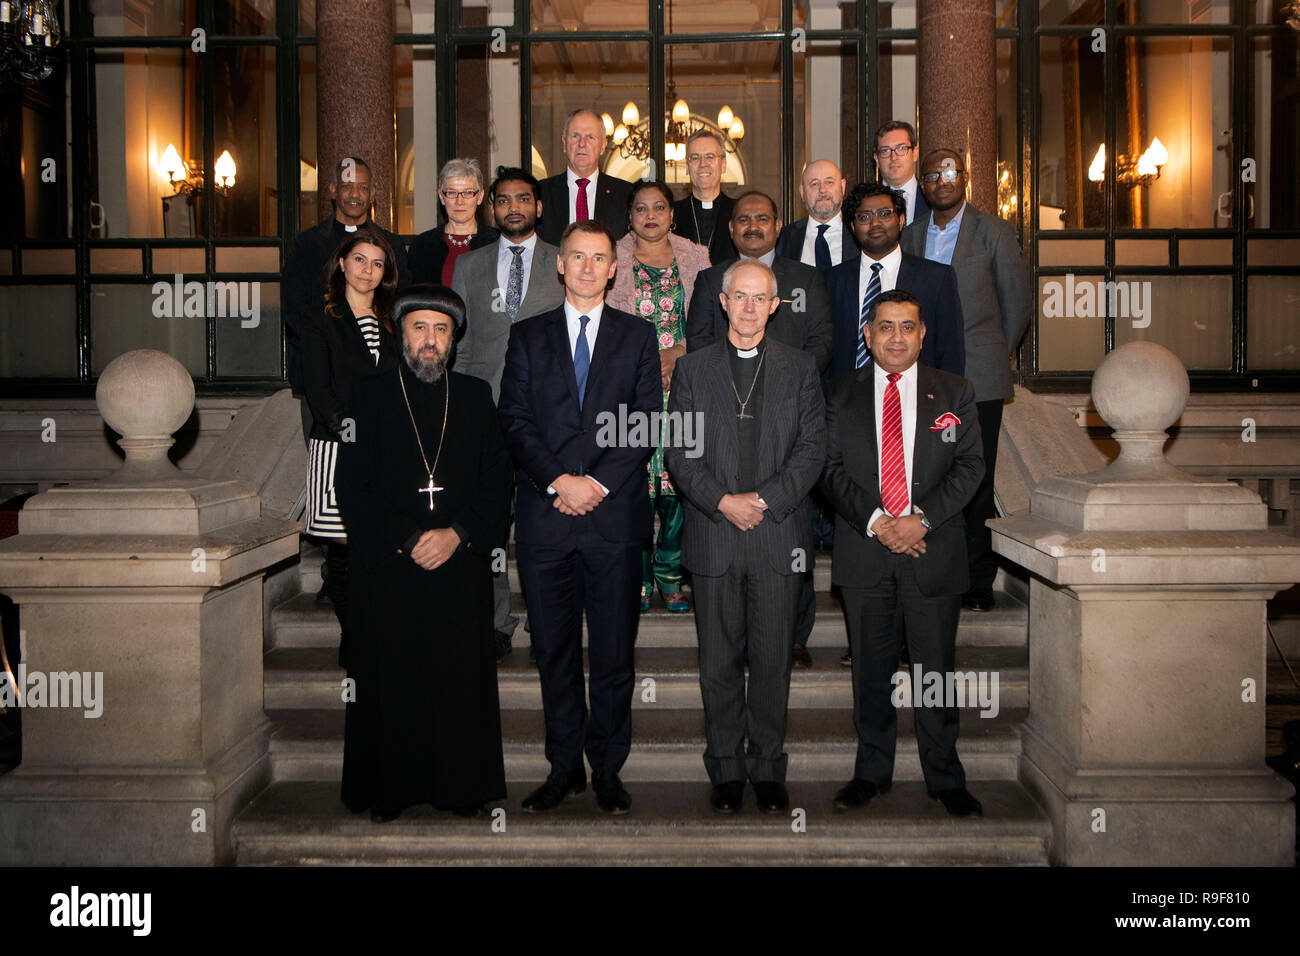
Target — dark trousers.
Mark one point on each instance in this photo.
(561, 582)
(334, 572)
(979, 540)
(747, 611)
(930, 625)
(823, 532)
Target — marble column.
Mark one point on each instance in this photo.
(1147, 646)
(958, 89)
(354, 95)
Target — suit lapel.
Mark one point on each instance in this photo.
(927, 410)
(720, 392)
(966, 234)
(608, 341)
(559, 336)
(542, 270)
(776, 385)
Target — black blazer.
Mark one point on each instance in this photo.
(802, 320)
(791, 452)
(945, 475)
(549, 436)
(721, 248)
(612, 195)
(933, 283)
(790, 242)
(428, 252)
(334, 359)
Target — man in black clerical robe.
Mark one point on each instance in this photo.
(424, 513)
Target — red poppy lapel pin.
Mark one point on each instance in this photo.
(946, 420)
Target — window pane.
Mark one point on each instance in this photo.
(36, 163)
(144, 101)
(1067, 340)
(122, 318)
(1273, 200)
(244, 101)
(244, 17)
(114, 18)
(414, 16)
(416, 198)
(480, 13)
(489, 135)
(1008, 119)
(692, 16)
(1177, 90)
(38, 331)
(1071, 127)
(899, 15)
(249, 350)
(1273, 304)
(590, 15)
(1180, 11)
(1189, 315)
(1070, 13)
(896, 87)
(826, 107)
(307, 17)
(604, 77)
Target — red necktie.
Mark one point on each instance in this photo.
(893, 469)
(581, 207)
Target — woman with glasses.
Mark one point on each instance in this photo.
(655, 278)
(460, 192)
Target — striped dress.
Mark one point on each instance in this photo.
(323, 518)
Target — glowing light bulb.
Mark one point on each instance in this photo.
(608, 121)
(1097, 171)
(225, 169)
(631, 116)
(681, 112)
(737, 130)
(620, 135)
(725, 117)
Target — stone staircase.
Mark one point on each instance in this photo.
(300, 819)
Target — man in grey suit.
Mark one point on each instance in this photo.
(996, 304)
(510, 280)
(748, 533)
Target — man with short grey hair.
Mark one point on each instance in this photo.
(582, 191)
(704, 216)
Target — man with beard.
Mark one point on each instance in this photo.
(819, 239)
(501, 284)
(425, 491)
(996, 305)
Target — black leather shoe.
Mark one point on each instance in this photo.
(727, 797)
(959, 802)
(503, 639)
(847, 659)
(380, 816)
(611, 795)
(468, 812)
(978, 599)
(858, 793)
(802, 659)
(552, 793)
(771, 796)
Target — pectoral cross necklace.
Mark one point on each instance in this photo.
(430, 488)
(748, 395)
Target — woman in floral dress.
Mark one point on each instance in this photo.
(655, 278)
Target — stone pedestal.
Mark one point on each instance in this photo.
(145, 593)
(1147, 646)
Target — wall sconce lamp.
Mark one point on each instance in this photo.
(1131, 172)
(187, 178)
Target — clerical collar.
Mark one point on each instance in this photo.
(347, 228)
(704, 203)
(747, 353)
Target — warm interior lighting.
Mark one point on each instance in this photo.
(631, 115)
(608, 121)
(225, 170)
(306, 176)
(681, 112)
(1156, 155)
(725, 117)
(1097, 171)
(737, 130)
(172, 165)
(620, 135)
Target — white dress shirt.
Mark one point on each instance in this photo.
(888, 273)
(571, 178)
(908, 189)
(505, 260)
(834, 239)
(906, 405)
(573, 321)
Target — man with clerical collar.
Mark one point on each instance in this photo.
(903, 458)
(425, 491)
(820, 238)
(704, 216)
(748, 534)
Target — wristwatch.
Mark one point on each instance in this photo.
(925, 522)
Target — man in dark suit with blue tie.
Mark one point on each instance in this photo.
(582, 510)
(903, 457)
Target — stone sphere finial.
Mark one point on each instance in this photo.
(1140, 389)
(145, 396)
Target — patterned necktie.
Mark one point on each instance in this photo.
(582, 360)
(893, 469)
(873, 290)
(515, 286)
(821, 248)
(581, 208)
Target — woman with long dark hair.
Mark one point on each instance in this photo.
(350, 339)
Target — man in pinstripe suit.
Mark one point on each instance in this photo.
(748, 534)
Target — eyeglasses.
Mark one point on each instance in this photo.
(885, 152)
(759, 300)
(702, 158)
(947, 175)
(863, 216)
(460, 193)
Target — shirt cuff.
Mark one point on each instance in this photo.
(872, 520)
(598, 484)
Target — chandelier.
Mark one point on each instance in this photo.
(29, 34)
(632, 137)
(187, 178)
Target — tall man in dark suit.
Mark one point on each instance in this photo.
(582, 510)
(996, 304)
(896, 155)
(819, 239)
(874, 213)
(582, 191)
(704, 216)
(748, 519)
(903, 459)
(500, 284)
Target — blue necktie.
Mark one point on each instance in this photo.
(821, 248)
(582, 360)
(873, 292)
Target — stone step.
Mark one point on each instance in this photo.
(668, 745)
(301, 622)
(670, 823)
(309, 677)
